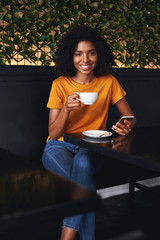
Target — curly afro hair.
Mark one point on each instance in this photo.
(68, 44)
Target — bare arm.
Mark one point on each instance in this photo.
(58, 117)
(125, 110)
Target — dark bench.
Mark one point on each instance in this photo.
(142, 87)
(24, 92)
(33, 201)
(24, 117)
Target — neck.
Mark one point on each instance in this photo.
(83, 79)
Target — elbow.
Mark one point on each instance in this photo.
(54, 134)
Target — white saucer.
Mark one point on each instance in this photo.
(97, 133)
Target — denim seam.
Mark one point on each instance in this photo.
(51, 157)
(69, 226)
(73, 171)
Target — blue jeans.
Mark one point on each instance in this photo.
(78, 165)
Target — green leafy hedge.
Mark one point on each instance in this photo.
(31, 28)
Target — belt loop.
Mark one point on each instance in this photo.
(76, 149)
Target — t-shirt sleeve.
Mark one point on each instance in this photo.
(117, 91)
(55, 98)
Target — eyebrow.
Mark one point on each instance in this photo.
(89, 50)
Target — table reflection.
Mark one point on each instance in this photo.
(21, 191)
(140, 147)
(123, 143)
(36, 189)
(117, 142)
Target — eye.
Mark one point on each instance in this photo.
(92, 53)
(77, 54)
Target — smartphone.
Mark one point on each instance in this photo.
(129, 118)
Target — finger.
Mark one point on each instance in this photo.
(72, 97)
(120, 125)
(120, 131)
(73, 108)
(116, 129)
(118, 144)
(127, 123)
(126, 126)
(74, 104)
(75, 94)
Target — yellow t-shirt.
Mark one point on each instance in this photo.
(87, 117)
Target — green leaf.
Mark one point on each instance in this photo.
(130, 27)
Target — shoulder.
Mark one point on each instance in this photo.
(60, 79)
(108, 78)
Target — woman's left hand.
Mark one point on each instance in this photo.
(122, 128)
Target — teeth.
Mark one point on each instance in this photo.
(85, 67)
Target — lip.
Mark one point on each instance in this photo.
(85, 67)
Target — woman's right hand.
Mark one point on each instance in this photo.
(58, 117)
(72, 102)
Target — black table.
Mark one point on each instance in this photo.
(141, 147)
(32, 197)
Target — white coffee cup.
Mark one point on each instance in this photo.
(88, 98)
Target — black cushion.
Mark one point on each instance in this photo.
(142, 87)
(24, 92)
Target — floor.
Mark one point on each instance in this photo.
(117, 221)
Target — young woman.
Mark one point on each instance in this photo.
(84, 61)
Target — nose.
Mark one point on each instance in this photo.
(85, 57)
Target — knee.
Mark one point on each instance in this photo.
(46, 160)
(51, 153)
(83, 163)
(50, 156)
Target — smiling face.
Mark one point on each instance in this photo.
(85, 58)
